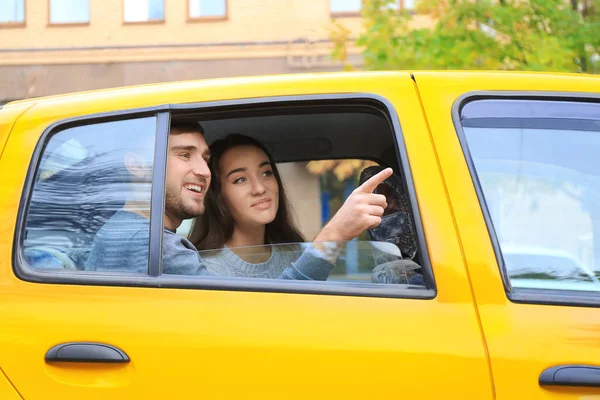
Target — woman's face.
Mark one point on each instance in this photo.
(249, 187)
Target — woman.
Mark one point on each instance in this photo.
(246, 209)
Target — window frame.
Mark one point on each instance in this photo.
(154, 277)
(148, 21)
(210, 18)
(19, 24)
(519, 295)
(68, 24)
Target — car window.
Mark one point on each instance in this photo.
(315, 191)
(96, 203)
(264, 210)
(537, 164)
(357, 261)
(88, 174)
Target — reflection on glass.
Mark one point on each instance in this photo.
(82, 183)
(542, 189)
(354, 261)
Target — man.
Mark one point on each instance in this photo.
(122, 243)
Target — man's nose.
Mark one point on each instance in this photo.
(201, 168)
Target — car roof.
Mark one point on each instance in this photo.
(284, 79)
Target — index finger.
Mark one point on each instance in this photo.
(369, 185)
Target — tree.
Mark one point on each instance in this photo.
(535, 35)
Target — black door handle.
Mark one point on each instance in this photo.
(86, 352)
(571, 375)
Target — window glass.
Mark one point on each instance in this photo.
(69, 11)
(354, 261)
(91, 194)
(315, 191)
(539, 171)
(12, 11)
(345, 6)
(143, 10)
(207, 8)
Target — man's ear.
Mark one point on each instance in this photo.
(137, 165)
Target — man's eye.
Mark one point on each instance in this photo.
(184, 155)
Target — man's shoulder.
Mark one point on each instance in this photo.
(125, 224)
(173, 241)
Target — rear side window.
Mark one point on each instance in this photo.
(86, 175)
(116, 202)
(539, 173)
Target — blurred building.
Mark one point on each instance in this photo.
(56, 46)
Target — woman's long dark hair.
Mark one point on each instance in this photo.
(215, 227)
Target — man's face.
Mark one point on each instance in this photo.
(188, 177)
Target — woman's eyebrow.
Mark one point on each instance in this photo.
(262, 164)
(233, 171)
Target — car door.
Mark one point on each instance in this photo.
(145, 336)
(519, 156)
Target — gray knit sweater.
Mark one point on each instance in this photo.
(122, 245)
(225, 262)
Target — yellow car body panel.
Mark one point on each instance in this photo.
(7, 120)
(7, 391)
(191, 343)
(522, 339)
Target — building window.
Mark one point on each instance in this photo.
(143, 10)
(345, 6)
(207, 9)
(353, 7)
(12, 12)
(408, 4)
(69, 11)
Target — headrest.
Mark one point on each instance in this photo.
(396, 224)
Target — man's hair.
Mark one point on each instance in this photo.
(141, 142)
(185, 126)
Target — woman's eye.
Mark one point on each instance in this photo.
(268, 173)
(239, 180)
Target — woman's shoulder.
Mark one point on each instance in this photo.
(215, 260)
(211, 255)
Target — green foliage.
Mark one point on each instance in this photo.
(534, 35)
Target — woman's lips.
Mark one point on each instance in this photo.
(262, 204)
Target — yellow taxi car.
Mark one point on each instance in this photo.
(501, 177)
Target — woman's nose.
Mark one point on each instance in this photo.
(257, 187)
